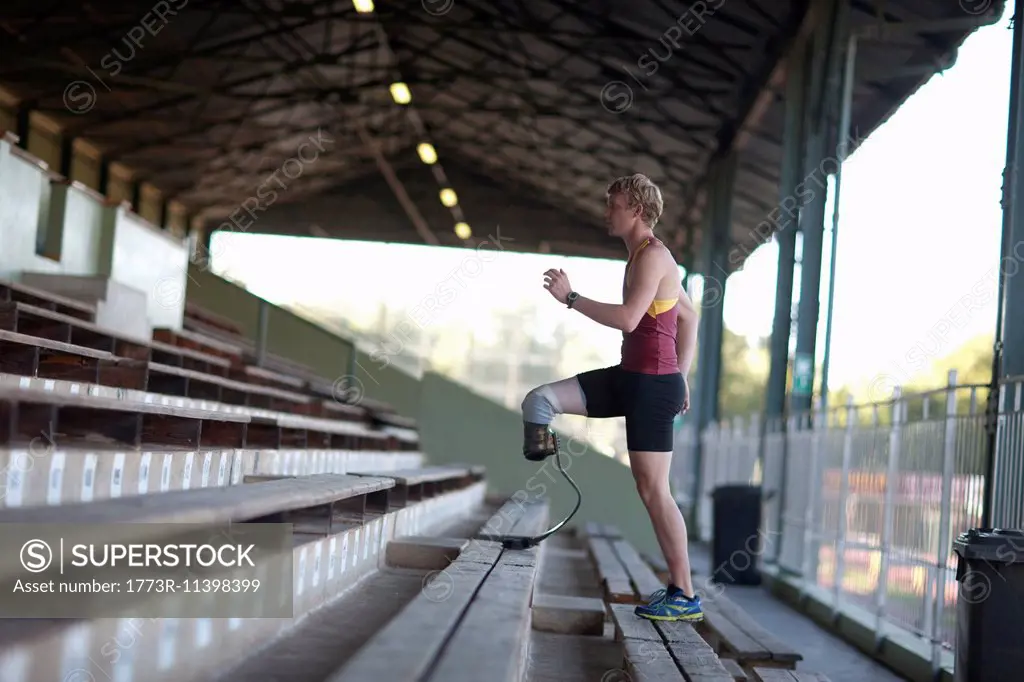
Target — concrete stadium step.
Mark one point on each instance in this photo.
(326, 561)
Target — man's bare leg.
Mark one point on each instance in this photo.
(651, 473)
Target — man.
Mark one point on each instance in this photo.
(648, 387)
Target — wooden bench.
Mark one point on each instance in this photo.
(470, 622)
(734, 634)
(318, 502)
(185, 338)
(625, 576)
(16, 292)
(29, 415)
(779, 675)
(667, 651)
(47, 359)
(37, 322)
(415, 485)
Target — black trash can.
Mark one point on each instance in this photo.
(990, 605)
(735, 535)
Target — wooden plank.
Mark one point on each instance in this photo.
(568, 615)
(613, 575)
(648, 661)
(629, 626)
(256, 389)
(735, 642)
(69, 348)
(417, 476)
(694, 655)
(19, 292)
(645, 582)
(738, 675)
(428, 553)
(772, 675)
(407, 646)
(780, 651)
(13, 394)
(142, 518)
(492, 639)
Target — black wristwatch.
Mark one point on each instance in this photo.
(571, 298)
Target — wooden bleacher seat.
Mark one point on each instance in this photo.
(32, 321)
(16, 292)
(624, 576)
(736, 635)
(66, 418)
(739, 644)
(470, 622)
(413, 485)
(669, 650)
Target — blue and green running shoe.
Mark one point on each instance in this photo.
(661, 606)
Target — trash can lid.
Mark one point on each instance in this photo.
(737, 490)
(1002, 545)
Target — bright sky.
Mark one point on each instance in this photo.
(920, 230)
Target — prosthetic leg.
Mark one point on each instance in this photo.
(539, 443)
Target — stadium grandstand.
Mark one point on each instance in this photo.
(155, 412)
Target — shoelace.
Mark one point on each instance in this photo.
(658, 596)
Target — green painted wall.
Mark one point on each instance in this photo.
(456, 424)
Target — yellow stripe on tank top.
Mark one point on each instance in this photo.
(659, 306)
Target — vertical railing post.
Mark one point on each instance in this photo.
(819, 446)
(841, 520)
(937, 579)
(888, 513)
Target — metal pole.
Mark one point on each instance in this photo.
(842, 150)
(1009, 187)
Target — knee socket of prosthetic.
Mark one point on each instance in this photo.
(539, 409)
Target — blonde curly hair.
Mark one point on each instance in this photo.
(641, 191)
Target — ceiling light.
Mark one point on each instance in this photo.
(426, 152)
(363, 6)
(462, 231)
(400, 93)
(448, 197)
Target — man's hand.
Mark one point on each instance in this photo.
(557, 282)
(686, 396)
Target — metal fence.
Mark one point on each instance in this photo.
(863, 502)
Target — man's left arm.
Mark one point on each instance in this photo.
(639, 296)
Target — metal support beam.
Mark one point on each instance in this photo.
(849, 72)
(1003, 507)
(785, 236)
(709, 346)
(826, 46)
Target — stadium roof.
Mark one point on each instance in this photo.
(523, 101)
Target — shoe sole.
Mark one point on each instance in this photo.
(691, 619)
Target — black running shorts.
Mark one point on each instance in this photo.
(649, 402)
